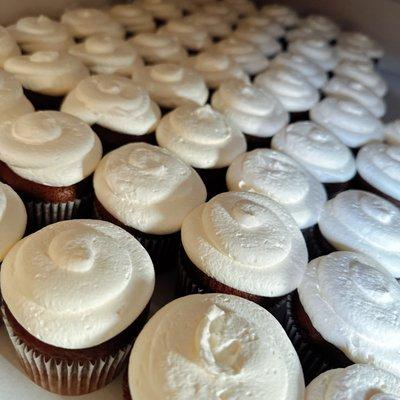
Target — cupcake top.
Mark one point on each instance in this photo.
(281, 178)
(216, 68)
(379, 165)
(8, 46)
(361, 43)
(313, 72)
(84, 22)
(158, 47)
(247, 55)
(51, 73)
(76, 284)
(133, 18)
(114, 102)
(267, 25)
(161, 9)
(12, 219)
(253, 110)
(173, 85)
(361, 221)
(248, 242)
(350, 89)
(40, 33)
(317, 50)
(13, 103)
(221, 10)
(318, 150)
(50, 148)
(214, 25)
(322, 25)
(354, 304)
(104, 54)
(352, 123)
(291, 88)
(302, 33)
(392, 132)
(284, 15)
(147, 188)
(200, 136)
(229, 347)
(190, 36)
(242, 7)
(364, 73)
(354, 381)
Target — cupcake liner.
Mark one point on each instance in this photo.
(214, 179)
(256, 142)
(317, 245)
(126, 394)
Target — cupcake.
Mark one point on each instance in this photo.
(224, 11)
(378, 167)
(40, 33)
(119, 110)
(104, 54)
(148, 192)
(242, 7)
(258, 114)
(284, 15)
(352, 123)
(204, 139)
(48, 157)
(346, 312)
(172, 85)
(133, 18)
(322, 26)
(392, 132)
(83, 22)
(291, 88)
(8, 46)
(265, 24)
(348, 88)
(75, 296)
(356, 380)
(47, 76)
(364, 222)
(161, 10)
(156, 48)
(208, 346)
(216, 26)
(243, 244)
(320, 152)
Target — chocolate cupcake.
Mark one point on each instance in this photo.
(47, 157)
(320, 152)
(258, 114)
(75, 296)
(47, 76)
(205, 346)
(242, 7)
(9, 47)
(392, 132)
(291, 88)
(267, 25)
(322, 26)
(161, 10)
(282, 14)
(216, 26)
(148, 192)
(243, 244)
(204, 139)
(133, 18)
(346, 312)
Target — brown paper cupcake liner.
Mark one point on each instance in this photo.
(125, 387)
(214, 179)
(317, 245)
(44, 102)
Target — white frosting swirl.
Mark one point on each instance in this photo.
(392, 132)
(361, 221)
(352, 123)
(291, 88)
(84, 22)
(8, 46)
(12, 219)
(361, 43)
(221, 10)
(267, 25)
(161, 9)
(133, 18)
(248, 242)
(147, 188)
(351, 53)
(230, 348)
(253, 110)
(276, 175)
(359, 381)
(318, 150)
(354, 304)
(200, 136)
(172, 85)
(242, 7)
(284, 15)
(213, 24)
(379, 165)
(40, 33)
(302, 33)
(50, 148)
(114, 102)
(321, 25)
(350, 89)
(76, 284)
(48, 72)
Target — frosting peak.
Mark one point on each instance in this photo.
(8, 46)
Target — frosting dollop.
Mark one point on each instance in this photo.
(253, 110)
(161, 9)
(242, 7)
(230, 348)
(361, 221)
(248, 242)
(266, 24)
(322, 26)
(147, 188)
(318, 150)
(284, 15)
(213, 24)
(392, 132)
(354, 304)
(361, 44)
(50, 148)
(221, 10)
(278, 176)
(8, 46)
(200, 136)
(114, 102)
(133, 18)
(76, 284)
(352, 123)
